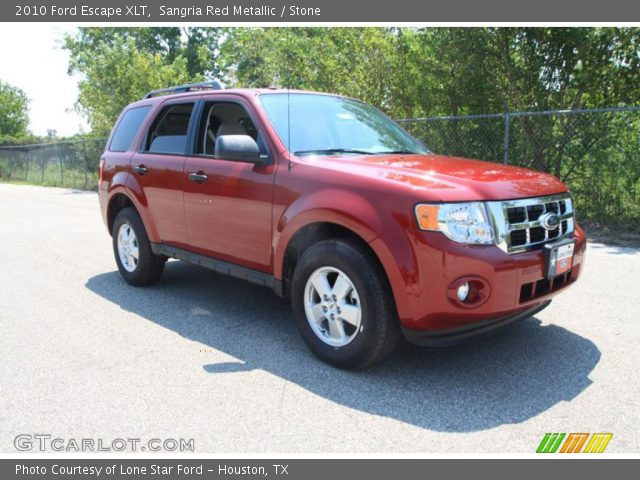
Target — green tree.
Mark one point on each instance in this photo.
(552, 69)
(119, 65)
(14, 111)
(358, 62)
(450, 71)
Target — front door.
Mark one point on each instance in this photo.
(228, 203)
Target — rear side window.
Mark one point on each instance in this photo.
(127, 128)
(168, 134)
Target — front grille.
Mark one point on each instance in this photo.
(519, 223)
(533, 290)
(534, 211)
(517, 214)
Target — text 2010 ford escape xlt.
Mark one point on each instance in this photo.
(330, 203)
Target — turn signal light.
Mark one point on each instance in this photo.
(427, 216)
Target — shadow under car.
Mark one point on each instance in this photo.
(508, 377)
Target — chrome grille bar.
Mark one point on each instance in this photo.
(535, 235)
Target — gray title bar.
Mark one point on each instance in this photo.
(217, 11)
(315, 469)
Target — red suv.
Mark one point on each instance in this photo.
(330, 203)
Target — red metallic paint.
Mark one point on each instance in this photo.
(229, 216)
(247, 214)
(161, 189)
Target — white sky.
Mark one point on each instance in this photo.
(31, 58)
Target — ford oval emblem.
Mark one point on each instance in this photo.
(549, 221)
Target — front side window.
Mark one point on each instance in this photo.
(127, 129)
(311, 124)
(223, 118)
(168, 133)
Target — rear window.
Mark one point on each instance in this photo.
(127, 128)
(168, 134)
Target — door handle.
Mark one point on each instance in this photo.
(140, 169)
(198, 177)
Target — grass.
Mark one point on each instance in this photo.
(51, 176)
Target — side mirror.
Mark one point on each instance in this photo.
(241, 148)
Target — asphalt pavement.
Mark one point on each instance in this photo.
(205, 357)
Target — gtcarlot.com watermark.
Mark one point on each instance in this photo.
(44, 442)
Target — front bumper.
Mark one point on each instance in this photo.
(454, 336)
(516, 283)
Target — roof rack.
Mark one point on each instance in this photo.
(212, 85)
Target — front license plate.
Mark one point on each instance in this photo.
(559, 258)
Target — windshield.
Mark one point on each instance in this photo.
(329, 125)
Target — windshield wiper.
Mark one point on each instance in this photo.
(398, 152)
(333, 150)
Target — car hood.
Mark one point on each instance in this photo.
(443, 178)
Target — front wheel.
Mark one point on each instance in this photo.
(136, 262)
(343, 306)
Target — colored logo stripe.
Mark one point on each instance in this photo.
(550, 443)
(574, 442)
(598, 442)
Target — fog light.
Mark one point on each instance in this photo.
(468, 291)
(463, 291)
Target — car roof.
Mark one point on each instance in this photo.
(245, 92)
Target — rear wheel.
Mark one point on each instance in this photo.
(343, 305)
(136, 262)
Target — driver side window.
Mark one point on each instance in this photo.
(224, 118)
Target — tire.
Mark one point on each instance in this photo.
(369, 337)
(147, 268)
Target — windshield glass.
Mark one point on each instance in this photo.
(329, 125)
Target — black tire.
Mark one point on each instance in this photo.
(149, 267)
(379, 333)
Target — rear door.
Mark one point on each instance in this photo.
(158, 168)
(228, 203)
(117, 156)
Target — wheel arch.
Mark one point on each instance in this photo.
(117, 202)
(310, 233)
(318, 215)
(120, 199)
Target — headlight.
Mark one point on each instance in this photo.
(461, 222)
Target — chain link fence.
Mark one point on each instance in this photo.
(72, 164)
(596, 152)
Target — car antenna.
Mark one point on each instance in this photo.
(289, 165)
